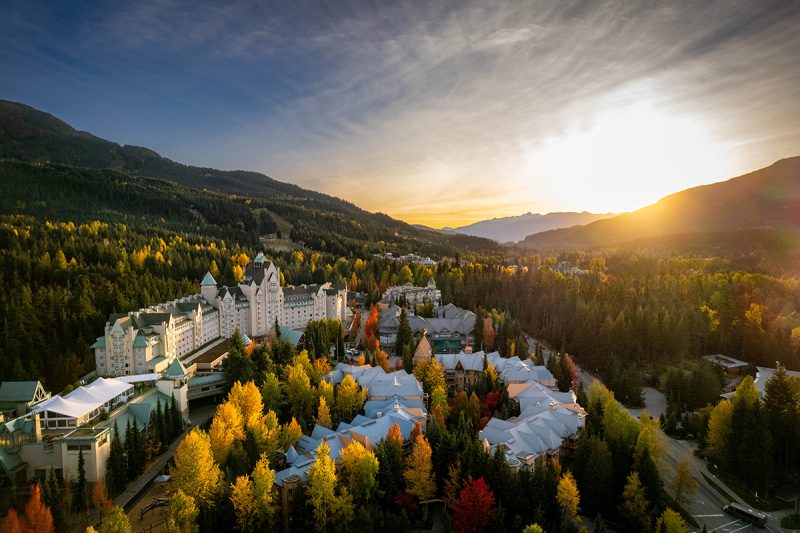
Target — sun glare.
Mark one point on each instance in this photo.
(625, 159)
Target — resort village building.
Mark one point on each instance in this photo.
(147, 340)
(408, 294)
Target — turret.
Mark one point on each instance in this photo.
(208, 288)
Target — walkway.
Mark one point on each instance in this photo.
(137, 487)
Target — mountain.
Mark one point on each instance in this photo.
(37, 148)
(512, 229)
(767, 200)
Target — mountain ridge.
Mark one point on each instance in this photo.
(765, 198)
(321, 221)
(516, 228)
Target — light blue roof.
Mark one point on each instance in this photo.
(99, 343)
(291, 455)
(246, 340)
(291, 335)
(208, 280)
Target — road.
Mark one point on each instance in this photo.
(706, 503)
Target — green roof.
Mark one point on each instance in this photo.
(175, 369)
(157, 359)
(18, 391)
(99, 343)
(9, 461)
(198, 381)
(446, 345)
(140, 342)
(208, 280)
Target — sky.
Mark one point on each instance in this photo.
(439, 113)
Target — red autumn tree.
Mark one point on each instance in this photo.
(572, 371)
(37, 514)
(474, 509)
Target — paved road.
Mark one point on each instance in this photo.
(706, 504)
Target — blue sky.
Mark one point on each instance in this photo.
(440, 113)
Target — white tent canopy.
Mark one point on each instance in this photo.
(84, 400)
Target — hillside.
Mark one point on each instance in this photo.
(767, 199)
(322, 222)
(516, 228)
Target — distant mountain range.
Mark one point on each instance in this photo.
(764, 202)
(516, 228)
(39, 152)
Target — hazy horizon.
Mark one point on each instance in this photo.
(440, 113)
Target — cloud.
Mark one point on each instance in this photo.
(426, 110)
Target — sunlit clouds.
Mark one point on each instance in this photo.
(437, 113)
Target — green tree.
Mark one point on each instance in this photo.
(182, 514)
(115, 522)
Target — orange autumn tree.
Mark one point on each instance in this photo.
(370, 340)
(488, 334)
(37, 514)
(11, 523)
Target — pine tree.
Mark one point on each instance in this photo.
(117, 464)
(177, 418)
(161, 425)
(81, 487)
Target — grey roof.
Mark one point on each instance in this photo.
(370, 431)
(208, 280)
(468, 361)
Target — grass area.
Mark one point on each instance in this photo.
(728, 497)
(763, 504)
(283, 225)
(686, 515)
(791, 522)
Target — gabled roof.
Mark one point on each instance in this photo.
(175, 369)
(290, 335)
(99, 343)
(208, 281)
(18, 391)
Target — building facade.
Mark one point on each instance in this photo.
(147, 340)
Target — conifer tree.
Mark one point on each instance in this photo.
(81, 487)
(117, 464)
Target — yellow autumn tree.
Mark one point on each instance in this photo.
(226, 429)
(359, 470)
(350, 398)
(195, 472)
(290, 434)
(671, 522)
(321, 487)
(719, 431)
(324, 414)
(419, 471)
(244, 504)
(247, 399)
(264, 498)
(568, 496)
(266, 432)
(182, 514)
